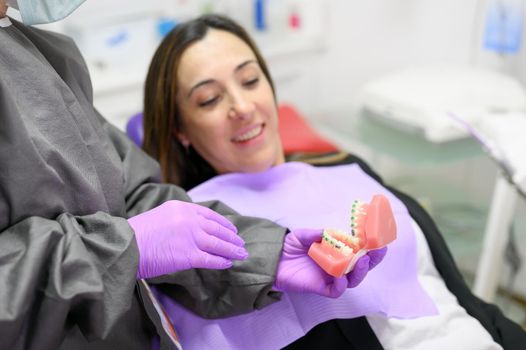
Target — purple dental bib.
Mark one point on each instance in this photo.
(297, 195)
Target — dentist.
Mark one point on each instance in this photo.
(82, 212)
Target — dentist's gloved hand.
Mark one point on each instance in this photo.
(297, 272)
(365, 264)
(179, 235)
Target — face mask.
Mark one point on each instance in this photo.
(44, 11)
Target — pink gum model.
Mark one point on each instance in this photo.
(373, 226)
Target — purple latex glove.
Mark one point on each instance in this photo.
(365, 264)
(297, 272)
(179, 235)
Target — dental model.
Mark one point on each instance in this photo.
(372, 227)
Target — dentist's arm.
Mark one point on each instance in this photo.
(244, 287)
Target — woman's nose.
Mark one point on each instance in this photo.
(241, 107)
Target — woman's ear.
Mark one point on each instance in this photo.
(181, 136)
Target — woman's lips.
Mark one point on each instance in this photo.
(250, 134)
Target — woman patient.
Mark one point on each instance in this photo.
(211, 120)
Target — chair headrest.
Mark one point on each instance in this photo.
(135, 130)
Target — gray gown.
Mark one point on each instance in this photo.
(68, 181)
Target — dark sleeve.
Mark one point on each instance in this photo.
(59, 273)
(210, 293)
(57, 270)
(243, 288)
(503, 331)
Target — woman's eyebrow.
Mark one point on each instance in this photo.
(242, 65)
(201, 83)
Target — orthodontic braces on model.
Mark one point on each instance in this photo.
(372, 227)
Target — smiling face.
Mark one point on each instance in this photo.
(227, 106)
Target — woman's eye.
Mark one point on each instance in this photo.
(251, 82)
(210, 102)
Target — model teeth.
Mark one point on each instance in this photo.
(332, 242)
(249, 134)
(357, 214)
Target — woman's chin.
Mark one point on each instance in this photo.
(255, 163)
(257, 167)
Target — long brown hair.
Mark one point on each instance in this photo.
(162, 119)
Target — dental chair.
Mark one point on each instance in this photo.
(134, 129)
(299, 139)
